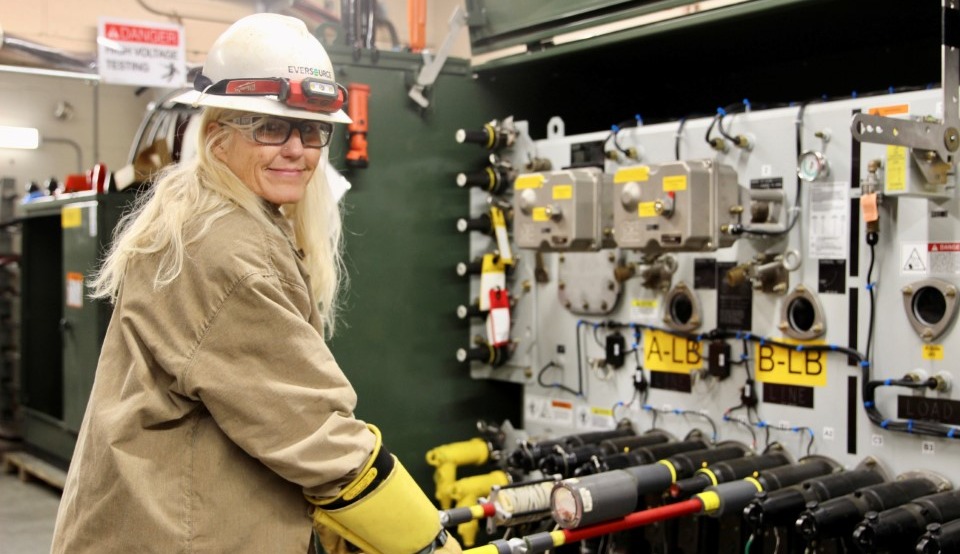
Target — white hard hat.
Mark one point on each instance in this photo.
(271, 64)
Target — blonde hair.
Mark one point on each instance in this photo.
(187, 199)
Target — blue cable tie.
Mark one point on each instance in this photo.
(739, 335)
(746, 104)
(700, 337)
(744, 356)
(890, 89)
(909, 425)
(795, 429)
(951, 432)
(884, 423)
(834, 347)
(748, 335)
(865, 363)
(763, 341)
(799, 348)
(761, 424)
(823, 97)
(678, 411)
(615, 128)
(639, 119)
(868, 404)
(721, 111)
(853, 94)
(887, 382)
(726, 417)
(647, 407)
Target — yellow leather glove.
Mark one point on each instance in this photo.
(333, 543)
(383, 511)
(449, 547)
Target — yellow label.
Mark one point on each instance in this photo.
(791, 366)
(492, 264)
(896, 109)
(647, 303)
(674, 183)
(71, 217)
(540, 214)
(639, 173)
(665, 352)
(562, 192)
(896, 169)
(932, 352)
(496, 216)
(529, 181)
(607, 412)
(647, 209)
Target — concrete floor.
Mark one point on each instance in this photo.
(27, 514)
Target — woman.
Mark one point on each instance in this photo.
(218, 416)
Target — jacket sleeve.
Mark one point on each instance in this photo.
(268, 379)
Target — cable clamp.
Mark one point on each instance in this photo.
(884, 423)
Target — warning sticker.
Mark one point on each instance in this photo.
(933, 257)
(944, 257)
(913, 258)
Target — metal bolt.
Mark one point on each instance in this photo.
(586, 306)
(562, 259)
(561, 285)
(603, 305)
(611, 257)
(783, 326)
(817, 328)
(907, 290)
(611, 285)
(736, 209)
(950, 292)
(801, 288)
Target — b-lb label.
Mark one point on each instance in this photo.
(666, 352)
(790, 366)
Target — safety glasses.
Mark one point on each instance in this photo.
(275, 131)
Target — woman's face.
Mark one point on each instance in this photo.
(276, 173)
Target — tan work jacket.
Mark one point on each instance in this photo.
(216, 405)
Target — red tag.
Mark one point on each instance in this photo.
(498, 318)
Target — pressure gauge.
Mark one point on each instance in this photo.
(812, 166)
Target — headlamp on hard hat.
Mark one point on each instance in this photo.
(315, 95)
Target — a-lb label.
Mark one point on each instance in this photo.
(665, 352)
(789, 366)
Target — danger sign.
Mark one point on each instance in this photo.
(141, 53)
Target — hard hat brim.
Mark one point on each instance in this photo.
(257, 104)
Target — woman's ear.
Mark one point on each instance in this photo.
(217, 148)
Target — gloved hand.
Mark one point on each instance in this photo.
(333, 543)
(382, 510)
(449, 547)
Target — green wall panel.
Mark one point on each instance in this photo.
(399, 331)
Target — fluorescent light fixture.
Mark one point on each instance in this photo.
(27, 138)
